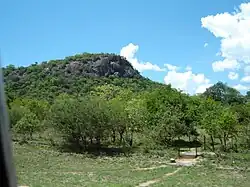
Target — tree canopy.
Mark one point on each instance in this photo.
(100, 100)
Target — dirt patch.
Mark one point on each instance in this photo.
(153, 181)
(186, 161)
(150, 168)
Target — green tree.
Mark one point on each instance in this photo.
(210, 111)
(228, 126)
(136, 112)
(170, 127)
(38, 107)
(80, 120)
(225, 94)
(243, 115)
(219, 122)
(158, 101)
(69, 117)
(192, 115)
(16, 112)
(99, 118)
(106, 92)
(248, 96)
(118, 118)
(27, 125)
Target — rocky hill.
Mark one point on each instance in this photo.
(87, 65)
(99, 65)
(74, 74)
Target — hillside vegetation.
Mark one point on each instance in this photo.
(100, 100)
(98, 104)
(73, 75)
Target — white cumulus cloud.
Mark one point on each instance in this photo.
(241, 87)
(233, 75)
(188, 81)
(233, 30)
(225, 64)
(245, 79)
(188, 68)
(129, 52)
(171, 67)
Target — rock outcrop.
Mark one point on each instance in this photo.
(103, 66)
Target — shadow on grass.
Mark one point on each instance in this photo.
(97, 150)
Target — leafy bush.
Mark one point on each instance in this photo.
(27, 125)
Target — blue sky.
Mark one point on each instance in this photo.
(210, 37)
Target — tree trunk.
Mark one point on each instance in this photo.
(196, 149)
(121, 137)
(232, 143)
(91, 140)
(179, 149)
(235, 145)
(76, 140)
(131, 140)
(225, 142)
(98, 140)
(189, 139)
(212, 142)
(114, 138)
(221, 141)
(84, 141)
(204, 143)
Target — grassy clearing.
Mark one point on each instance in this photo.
(207, 176)
(40, 166)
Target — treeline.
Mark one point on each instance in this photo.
(114, 116)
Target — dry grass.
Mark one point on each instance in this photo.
(40, 166)
(43, 167)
